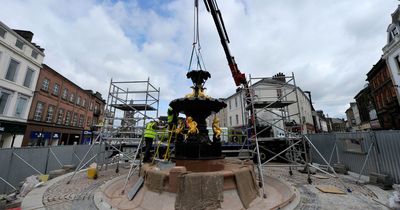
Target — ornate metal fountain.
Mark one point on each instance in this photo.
(197, 106)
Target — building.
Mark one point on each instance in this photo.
(391, 51)
(320, 122)
(384, 95)
(351, 120)
(271, 90)
(62, 112)
(20, 63)
(336, 125)
(366, 107)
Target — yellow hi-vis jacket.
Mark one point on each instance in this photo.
(149, 132)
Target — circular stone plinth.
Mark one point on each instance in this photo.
(278, 193)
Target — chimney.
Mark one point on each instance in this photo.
(27, 35)
(279, 77)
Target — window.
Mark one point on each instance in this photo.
(68, 118)
(279, 93)
(12, 70)
(84, 103)
(55, 89)
(3, 32)
(60, 116)
(397, 60)
(395, 32)
(235, 101)
(38, 111)
(71, 98)
(81, 118)
(21, 105)
(78, 101)
(91, 106)
(28, 78)
(75, 120)
(65, 94)
(4, 96)
(230, 107)
(230, 120)
(34, 54)
(237, 119)
(89, 121)
(50, 111)
(19, 44)
(45, 84)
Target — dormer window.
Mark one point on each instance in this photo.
(19, 44)
(395, 32)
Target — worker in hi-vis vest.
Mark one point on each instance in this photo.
(172, 118)
(150, 134)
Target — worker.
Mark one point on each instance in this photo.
(172, 118)
(149, 136)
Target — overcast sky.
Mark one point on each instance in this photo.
(329, 45)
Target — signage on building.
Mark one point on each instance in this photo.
(87, 132)
(56, 136)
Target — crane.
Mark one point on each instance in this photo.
(238, 76)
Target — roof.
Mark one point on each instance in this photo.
(33, 45)
(45, 66)
(376, 68)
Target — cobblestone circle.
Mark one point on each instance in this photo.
(79, 193)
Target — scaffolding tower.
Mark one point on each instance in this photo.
(130, 106)
(274, 116)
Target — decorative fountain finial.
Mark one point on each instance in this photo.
(198, 77)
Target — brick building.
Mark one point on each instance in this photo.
(61, 112)
(384, 95)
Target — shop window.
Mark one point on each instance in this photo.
(38, 111)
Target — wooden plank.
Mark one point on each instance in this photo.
(329, 189)
(320, 176)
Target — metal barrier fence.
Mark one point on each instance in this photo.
(18, 163)
(379, 150)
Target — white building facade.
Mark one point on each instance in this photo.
(20, 63)
(271, 91)
(391, 51)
